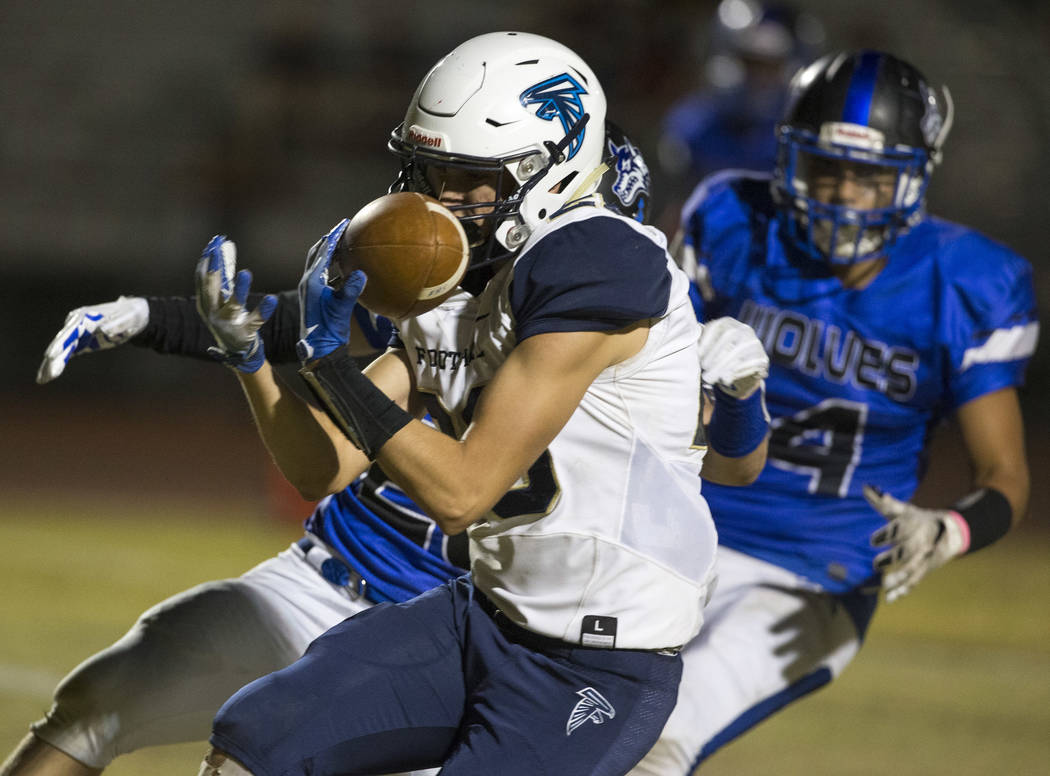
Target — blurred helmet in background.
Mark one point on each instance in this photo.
(757, 44)
(748, 52)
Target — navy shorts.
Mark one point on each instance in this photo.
(444, 679)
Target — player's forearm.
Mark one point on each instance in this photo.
(993, 431)
(176, 328)
(520, 411)
(743, 470)
(1014, 484)
(738, 438)
(309, 450)
(454, 482)
(457, 482)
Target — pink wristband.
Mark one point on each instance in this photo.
(964, 529)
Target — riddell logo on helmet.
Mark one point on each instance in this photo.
(856, 135)
(418, 136)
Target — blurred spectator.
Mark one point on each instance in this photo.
(749, 51)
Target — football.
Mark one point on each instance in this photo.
(412, 249)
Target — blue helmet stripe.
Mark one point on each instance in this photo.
(861, 89)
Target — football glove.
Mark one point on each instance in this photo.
(917, 540)
(221, 301)
(325, 313)
(732, 357)
(91, 328)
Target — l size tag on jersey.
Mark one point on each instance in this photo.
(598, 631)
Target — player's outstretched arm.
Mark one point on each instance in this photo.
(918, 540)
(92, 328)
(734, 365)
(170, 325)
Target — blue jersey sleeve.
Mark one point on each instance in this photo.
(719, 224)
(597, 274)
(989, 317)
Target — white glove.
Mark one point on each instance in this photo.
(91, 328)
(919, 540)
(732, 357)
(222, 296)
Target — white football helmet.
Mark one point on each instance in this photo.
(514, 103)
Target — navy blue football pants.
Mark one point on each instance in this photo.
(445, 679)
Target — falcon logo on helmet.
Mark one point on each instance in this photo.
(558, 98)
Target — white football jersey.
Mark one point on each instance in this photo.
(606, 541)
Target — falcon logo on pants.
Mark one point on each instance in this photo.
(591, 706)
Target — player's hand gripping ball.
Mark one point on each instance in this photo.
(412, 249)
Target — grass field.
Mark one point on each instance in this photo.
(955, 679)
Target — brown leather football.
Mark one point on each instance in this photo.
(411, 247)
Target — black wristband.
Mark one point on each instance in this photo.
(366, 415)
(988, 514)
(281, 331)
(176, 328)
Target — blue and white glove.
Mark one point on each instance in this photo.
(325, 313)
(732, 357)
(917, 540)
(91, 328)
(222, 297)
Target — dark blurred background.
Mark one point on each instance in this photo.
(132, 131)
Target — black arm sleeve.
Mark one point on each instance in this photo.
(176, 328)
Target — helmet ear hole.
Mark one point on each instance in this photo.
(563, 184)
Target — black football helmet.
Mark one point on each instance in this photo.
(872, 110)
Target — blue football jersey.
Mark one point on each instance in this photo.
(383, 535)
(858, 378)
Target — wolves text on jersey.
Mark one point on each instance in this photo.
(437, 358)
(824, 350)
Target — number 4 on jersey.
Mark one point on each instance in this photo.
(823, 442)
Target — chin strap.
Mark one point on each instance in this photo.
(589, 183)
